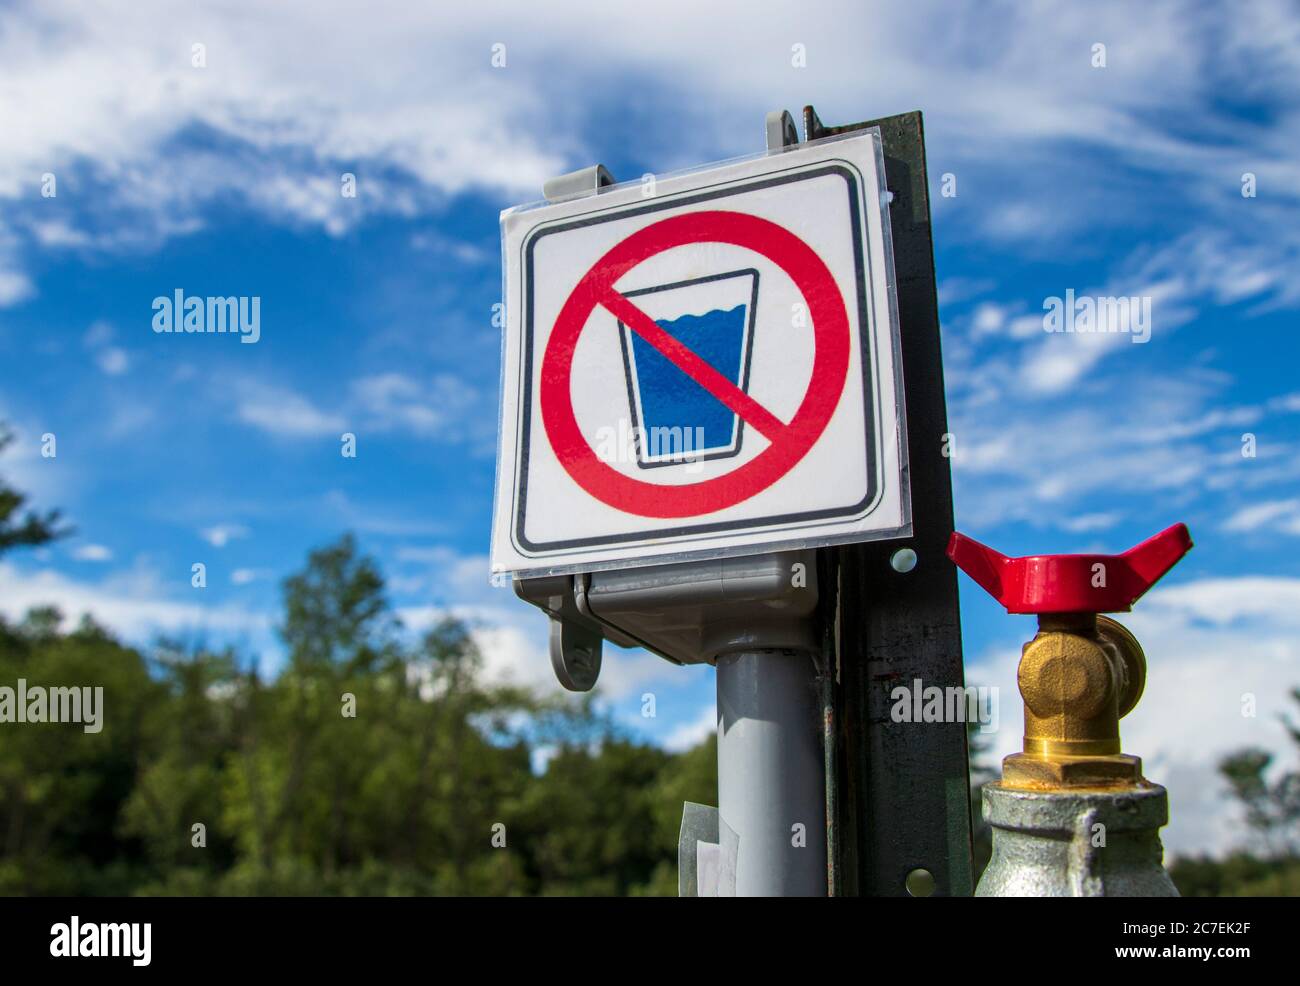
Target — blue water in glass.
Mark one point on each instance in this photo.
(670, 398)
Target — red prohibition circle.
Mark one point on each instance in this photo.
(831, 340)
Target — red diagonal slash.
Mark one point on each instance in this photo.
(685, 359)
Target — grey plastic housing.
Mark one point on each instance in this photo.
(686, 612)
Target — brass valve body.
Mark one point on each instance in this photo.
(1078, 677)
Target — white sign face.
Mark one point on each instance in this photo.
(702, 365)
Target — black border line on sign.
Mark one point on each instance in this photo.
(794, 519)
(624, 332)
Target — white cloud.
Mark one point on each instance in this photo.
(1058, 360)
(1045, 466)
(45, 481)
(406, 97)
(540, 757)
(113, 361)
(443, 406)
(434, 554)
(513, 638)
(466, 253)
(1210, 644)
(954, 290)
(516, 654)
(694, 732)
(14, 287)
(1280, 514)
(221, 535)
(243, 576)
(458, 576)
(1226, 601)
(988, 319)
(106, 91)
(1131, 442)
(513, 635)
(1090, 522)
(1224, 264)
(285, 413)
(378, 518)
(135, 605)
(57, 233)
(99, 334)
(92, 552)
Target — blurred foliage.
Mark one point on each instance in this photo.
(19, 529)
(369, 765)
(1238, 875)
(299, 796)
(1269, 800)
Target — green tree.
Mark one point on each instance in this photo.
(369, 764)
(19, 529)
(1271, 808)
(588, 821)
(187, 734)
(336, 612)
(688, 776)
(364, 767)
(1203, 876)
(63, 789)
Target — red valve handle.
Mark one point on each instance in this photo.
(1071, 583)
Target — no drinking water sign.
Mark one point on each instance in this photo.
(702, 364)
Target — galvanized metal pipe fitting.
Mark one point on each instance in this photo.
(1079, 843)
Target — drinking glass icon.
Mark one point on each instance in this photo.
(675, 419)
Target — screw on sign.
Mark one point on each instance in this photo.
(789, 441)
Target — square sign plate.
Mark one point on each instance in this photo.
(701, 365)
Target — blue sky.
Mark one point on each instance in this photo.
(377, 310)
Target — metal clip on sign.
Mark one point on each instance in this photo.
(1073, 815)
